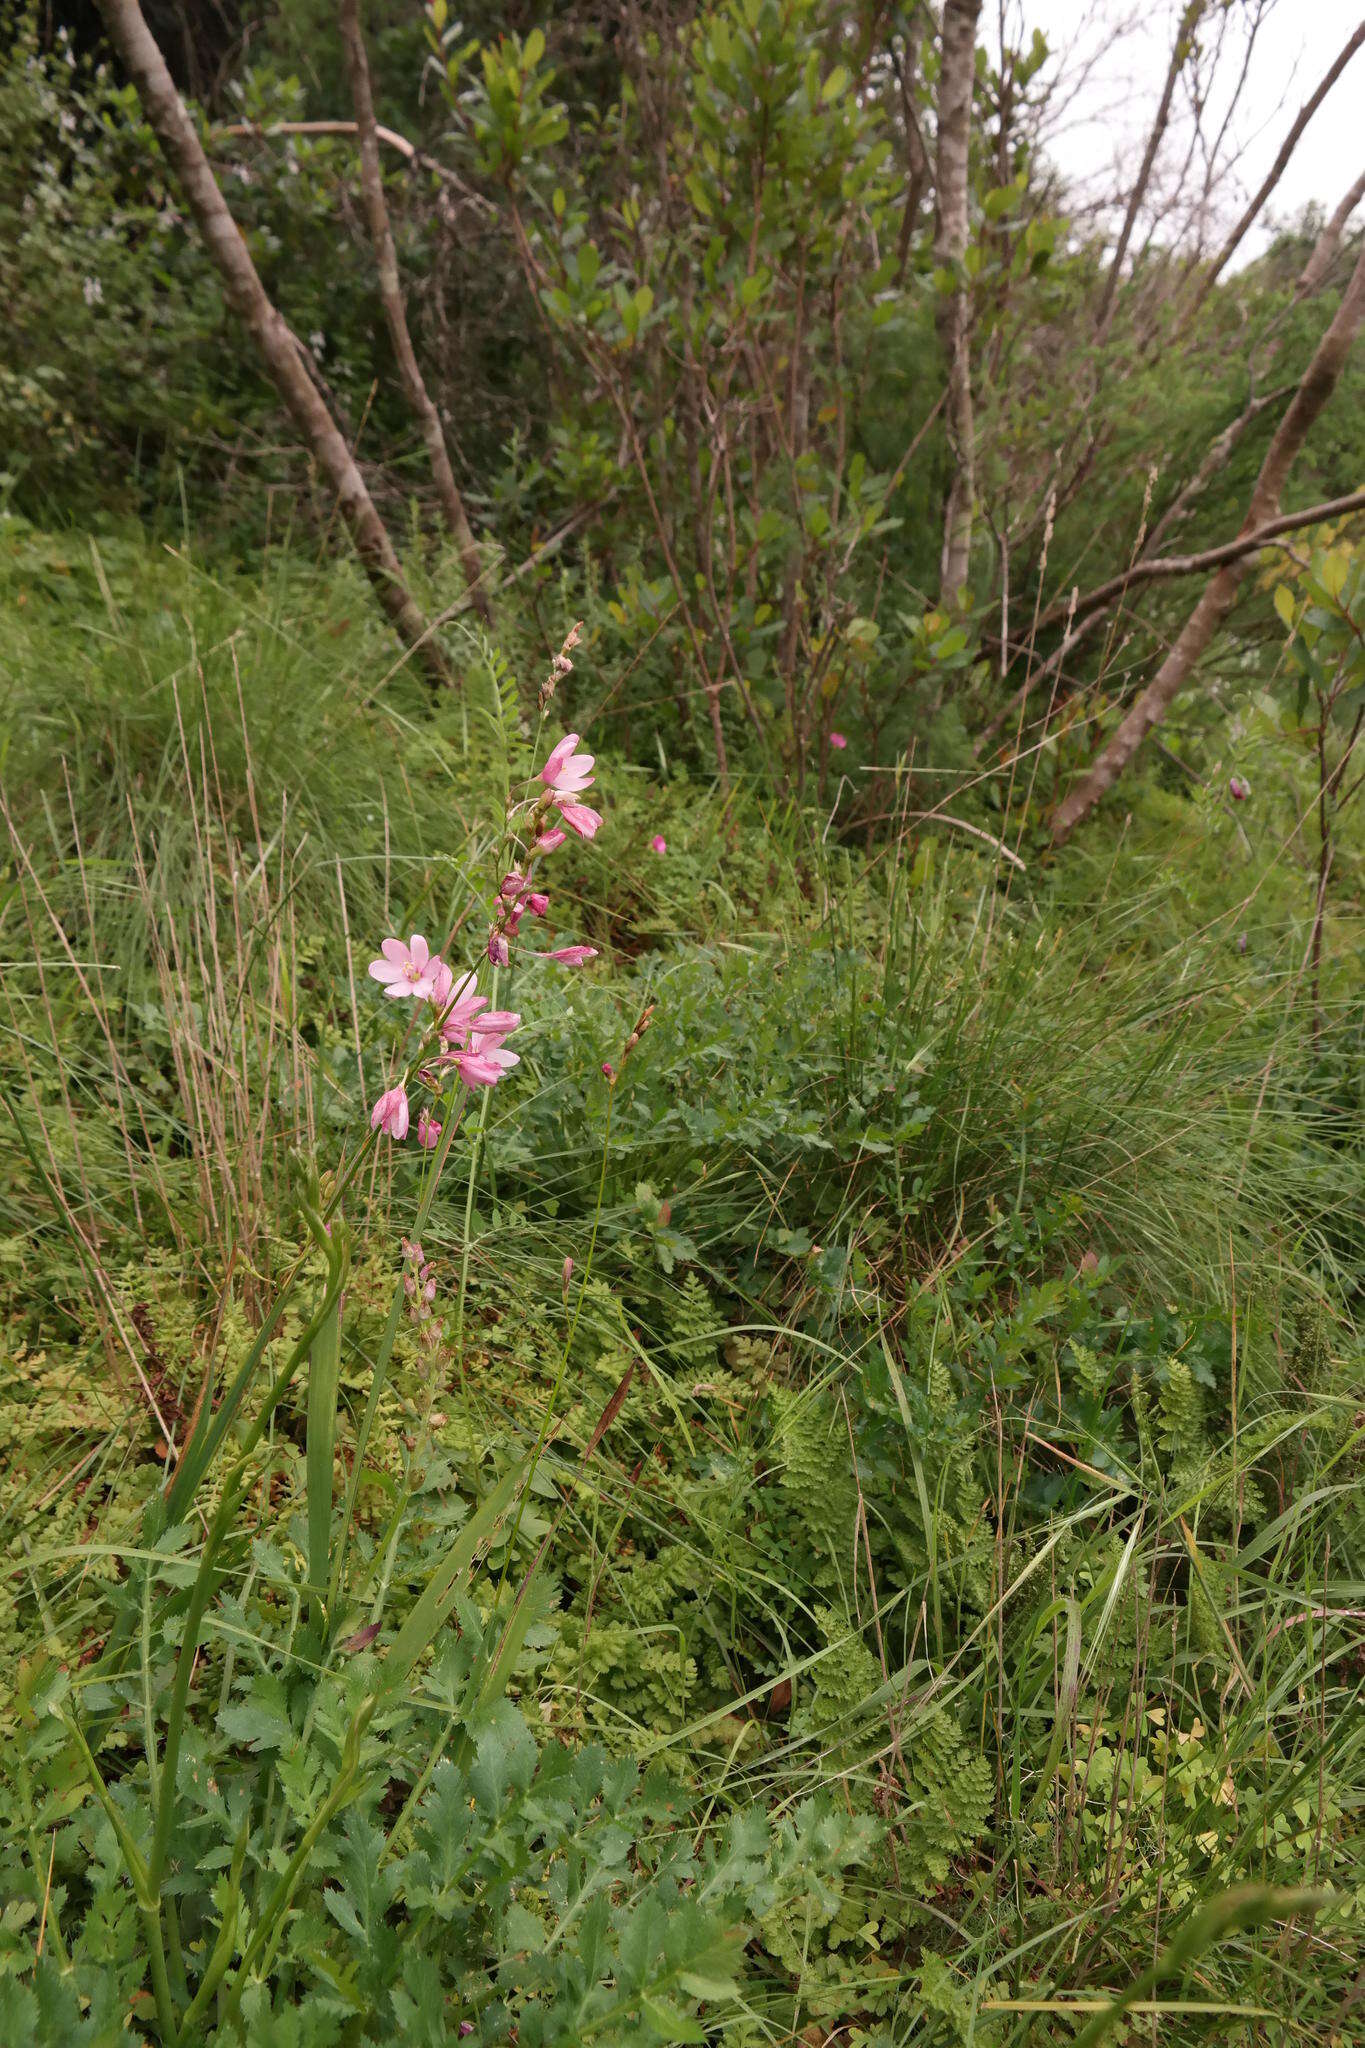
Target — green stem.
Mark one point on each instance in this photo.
(206, 1578)
(379, 1377)
(568, 1347)
(144, 1891)
(278, 1904)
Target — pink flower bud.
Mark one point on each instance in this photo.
(537, 903)
(499, 951)
(565, 1278)
(1238, 790)
(659, 843)
(609, 1070)
(428, 1131)
(548, 841)
(573, 956)
(390, 1113)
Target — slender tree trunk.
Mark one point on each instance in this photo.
(242, 287)
(1273, 176)
(957, 74)
(916, 155)
(391, 294)
(1221, 591)
(1189, 21)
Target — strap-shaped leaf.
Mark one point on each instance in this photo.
(438, 1596)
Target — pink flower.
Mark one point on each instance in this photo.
(513, 886)
(567, 772)
(573, 956)
(479, 1069)
(659, 843)
(1238, 790)
(463, 1009)
(406, 970)
(428, 1131)
(836, 739)
(390, 1113)
(499, 952)
(580, 819)
(493, 1027)
(537, 903)
(548, 841)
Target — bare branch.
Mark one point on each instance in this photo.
(391, 296)
(1276, 171)
(1189, 21)
(242, 287)
(1328, 243)
(957, 73)
(1317, 384)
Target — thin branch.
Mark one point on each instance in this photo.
(1273, 176)
(1262, 522)
(170, 123)
(391, 296)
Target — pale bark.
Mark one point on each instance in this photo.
(1328, 243)
(1276, 171)
(1189, 21)
(1220, 593)
(247, 296)
(957, 74)
(391, 297)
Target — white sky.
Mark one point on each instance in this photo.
(1119, 50)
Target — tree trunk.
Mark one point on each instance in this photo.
(242, 287)
(957, 74)
(1221, 591)
(391, 294)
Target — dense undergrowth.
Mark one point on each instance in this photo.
(937, 1612)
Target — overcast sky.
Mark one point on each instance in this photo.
(1121, 50)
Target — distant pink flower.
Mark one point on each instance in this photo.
(499, 952)
(513, 886)
(390, 1113)
(573, 956)
(609, 1070)
(548, 841)
(1238, 790)
(836, 739)
(659, 843)
(428, 1131)
(580, 819)
(567, 772)
(406, 970)
(537, 903)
